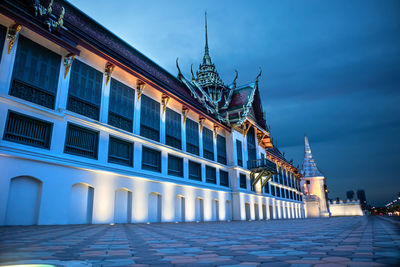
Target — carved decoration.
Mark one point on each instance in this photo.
(68, 59)
(246, 128)
(108, 71)
(164, 102)
(46, 12)
(185, 112)
(12, 34)
(140, 85)
(261, 137)
(216, 127)
(201, 123)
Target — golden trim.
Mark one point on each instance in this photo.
(108, 71)
(201, 122)
(185, 112)
(68, 59)
(164, 102)
(12, 34)
(140, 85)
(216, 127)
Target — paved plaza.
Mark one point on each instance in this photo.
(345, 241)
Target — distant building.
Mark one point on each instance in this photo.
(350, 194)
(363, 200)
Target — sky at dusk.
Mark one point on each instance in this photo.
(331, 70)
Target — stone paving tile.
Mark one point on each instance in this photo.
(351, 241)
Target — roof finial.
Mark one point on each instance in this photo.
(191, 70)
(206, 58)
(258, 76)
(179, 70)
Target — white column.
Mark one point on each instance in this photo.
(103, 147)
(217, 176)
(136, 115)
(186, 168)
(200, 142)
(105, 98)
(215, 147)
(137, 156)
(63, 86)
(183, 134)
(7, 65)
(162, 126)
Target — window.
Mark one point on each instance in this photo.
(121, 106)
(273, 190)
(192, 137)
(150, 118)
(278, 191)
(35, 74)
(3, 31)
(275, 177)
(251, 144)
(280, 177)
(27, 130)
(175, 166)
(221, 149)
(84, 94)
(151, 159)
(208, 145)
(120, 151)
(283, 192)
(243, 181)
(262, 155)
(285, 178)
(173, 128)
(211, 175)
(194, 171)
(81, 141)
(266, 187)
(223, 178)
(291, 194)
(239, 153)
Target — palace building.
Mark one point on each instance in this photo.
(92, 131)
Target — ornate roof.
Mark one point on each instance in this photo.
(309, 168)
(232, 105)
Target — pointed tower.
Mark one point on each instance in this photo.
(207, 76)
(314, 185)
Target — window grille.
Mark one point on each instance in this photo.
(175, 166)
(221, 149)
(173, 128)
(208, 145)
(243, 182)
(151, 159)
(121, 106)
(84, 94)
(223, 178)
(239, 153)
(150, 118)
(27, 130)
(3, 31)
(211, 175)
(251, 144)
(194, 171)
(120, 151)
(192, 137)
(35, 74)
(81, 141)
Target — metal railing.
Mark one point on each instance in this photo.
(261, 164)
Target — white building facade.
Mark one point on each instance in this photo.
(94, 132)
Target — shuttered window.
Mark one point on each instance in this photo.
(211, 175)
(192, 137)
(243, 182)
(239, 153)
(27, 130)
(175, 166)
(120, 151)
(173, 128)
(151, 159)
(251, 144)
(35, 74)
(81, 141)
(3, 31)
(208, 146)
(223, 178)
(194, 171)
(121, 106)
(266, 188)
(84, 94)
(150, 118)
(221, 149)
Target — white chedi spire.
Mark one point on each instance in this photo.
(309, 168)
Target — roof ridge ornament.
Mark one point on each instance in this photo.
(258, 76)
(179, 69)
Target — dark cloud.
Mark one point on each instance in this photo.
(330, 70)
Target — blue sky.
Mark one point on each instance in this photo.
(331, 70)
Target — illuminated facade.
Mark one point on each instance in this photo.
(92, 131)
